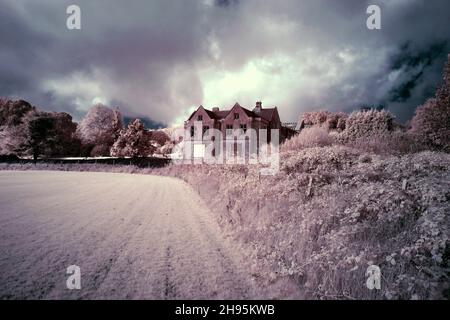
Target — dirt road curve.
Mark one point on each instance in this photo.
(133, 236)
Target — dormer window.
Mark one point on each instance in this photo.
(236, 116)
(200, 117)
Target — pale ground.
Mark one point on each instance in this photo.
(133, 236)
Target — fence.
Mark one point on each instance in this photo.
(143, 162)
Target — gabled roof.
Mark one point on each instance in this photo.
(250, 113)
(266, 113)
(211, 114)
(222, 113)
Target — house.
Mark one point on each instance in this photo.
(238, 117)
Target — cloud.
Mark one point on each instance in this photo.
(160, 59)
(412, 65)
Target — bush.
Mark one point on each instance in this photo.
(371, 123)
(431, 123)
(314, 118)
(331, 212)
(390, 143)
(307, 138)
(337, 121)
(333, 121)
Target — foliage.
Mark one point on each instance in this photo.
(308, 137)
(26, 131)
(51, 134)
(370, 123)
(431, 123)
(13, 112)
(314, 228)
(14, 117)
(134, 141)
(332, 121)
(99, 129)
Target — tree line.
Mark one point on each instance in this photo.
(26, 131)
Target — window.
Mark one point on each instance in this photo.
(229, 129)
(244, 127)
(205, 128)
(236, 116)
(200, 117)
(192, 131)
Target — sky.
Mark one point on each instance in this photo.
(161, 59)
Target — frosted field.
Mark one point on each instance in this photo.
(133, 236)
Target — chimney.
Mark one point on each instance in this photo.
(258, 107)
(215, 109)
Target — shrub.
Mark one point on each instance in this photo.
(333, 121)
(389, 143)
(431, 123)
(329, 214)
(307, 138)
(371, 123)
(336, 121)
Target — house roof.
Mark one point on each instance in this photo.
(221, 113)
(266, 113)
(211, 114)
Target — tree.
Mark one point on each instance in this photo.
(159, 137)
(51, 134)
(431, 123)
(134, 141)
(99, 129)
(13, 112)
(26, 131)
(67, 144)
(14, 117)
(41, 136)
(161, 141)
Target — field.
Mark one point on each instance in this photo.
(133, 236)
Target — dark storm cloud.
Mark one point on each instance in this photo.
(415, 64)
(137, 46)
(225, 3)
(156, 59)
